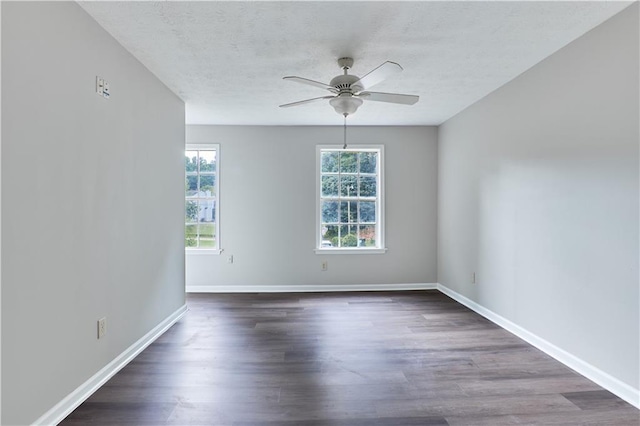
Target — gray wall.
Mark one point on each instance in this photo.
(268, 206)
(538, 194)
(92, 210)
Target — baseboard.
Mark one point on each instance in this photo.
(313, 288)
(610, 383)
(62, 409)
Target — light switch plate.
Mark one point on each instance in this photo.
(99, 85)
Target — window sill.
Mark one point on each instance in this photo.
(201, 252)
(351, 251)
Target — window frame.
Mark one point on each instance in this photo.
(217, 249)
(380, 201)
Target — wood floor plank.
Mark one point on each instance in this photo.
(389, 421)
(371, 358)
(595, 400)
(625, 417)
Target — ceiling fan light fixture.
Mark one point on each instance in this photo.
(345, 104)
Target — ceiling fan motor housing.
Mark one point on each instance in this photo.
(345, 103)
(345, 83)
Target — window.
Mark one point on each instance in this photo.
(350, 190)
(202, 202)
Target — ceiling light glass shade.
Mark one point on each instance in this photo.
(345, 104)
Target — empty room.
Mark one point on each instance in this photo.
(320, 213)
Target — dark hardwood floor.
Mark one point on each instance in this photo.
(397, 358)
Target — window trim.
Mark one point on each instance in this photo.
(218, 250)
(380, 201)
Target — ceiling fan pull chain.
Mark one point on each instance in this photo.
(345, 131)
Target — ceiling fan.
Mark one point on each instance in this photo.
(349, 91)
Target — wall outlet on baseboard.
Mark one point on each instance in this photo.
(102, 327)
(325, 265)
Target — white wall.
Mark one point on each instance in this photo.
(80, 175)
(538, 193)
(0, 222)
(267, 208)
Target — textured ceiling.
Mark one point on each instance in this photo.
(226, 60)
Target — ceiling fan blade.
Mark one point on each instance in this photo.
(306, 101)
(311, 83)
(378, 74)
(394, 98)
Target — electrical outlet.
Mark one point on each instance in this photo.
(102, 327)
(325, 265)
(230, 259)
(473, 278)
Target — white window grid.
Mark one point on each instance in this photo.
(211, 201)
(339, 198)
